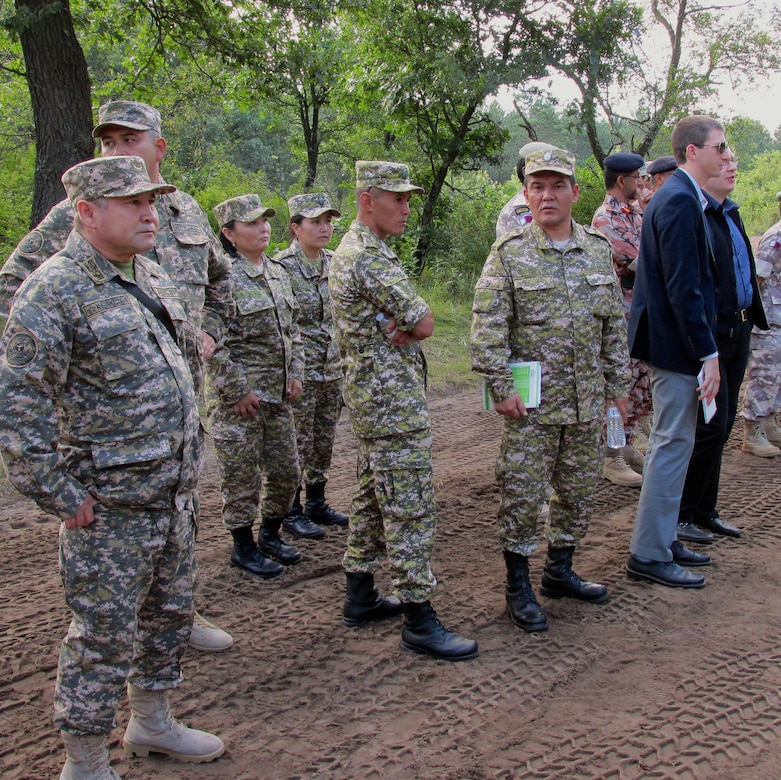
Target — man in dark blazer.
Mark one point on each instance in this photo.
(672, 328)
(738, 308)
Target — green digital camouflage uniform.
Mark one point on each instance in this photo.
(318, 408)
(261, 351)
(98, 399)
(534, 302)
(185, 247)
(393, 511)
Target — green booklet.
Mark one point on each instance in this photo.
(527, 378)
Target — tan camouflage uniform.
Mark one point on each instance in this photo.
(98, 400)
(621, 225)
(261, 351)
(318, 408)
(513, 215)
(562, 308)
(392, 514)
(763, 375)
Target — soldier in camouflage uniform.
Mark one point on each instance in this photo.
(620, 221)
(762, 400)
(516, 212)
(100, 427)
(392, 514)
(548, 293)
(317, 410)
(185, 247)
(254, 376)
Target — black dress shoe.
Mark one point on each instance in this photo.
(685, 557)
(302, 527)
(718, 526)
(667, 573)
(690, 533)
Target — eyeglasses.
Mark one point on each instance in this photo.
(722, 146)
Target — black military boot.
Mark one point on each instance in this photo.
(318, 511)
(271, 543)
(298, 524)
(363, 602)
(423, 633)
(522, 605)
(245, 555)
(559, 580)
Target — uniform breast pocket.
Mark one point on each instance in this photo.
(602, 294)
(534, 299)
(124, 345)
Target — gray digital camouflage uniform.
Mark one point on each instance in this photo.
(98, 399)
(564, 309)
(185, 247)
(318, 408)
(261, 351)
(392, 514)
(763, 375)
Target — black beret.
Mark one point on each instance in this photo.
(661, 165)
(624, 162)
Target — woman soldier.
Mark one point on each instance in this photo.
(317, 410)
(255, 374)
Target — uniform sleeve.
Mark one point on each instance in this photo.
(769, 253)
(226, 377)
(34, 363)
(38, 245)
(615, 352)
(218, 307)
(492, 311)
(392, 291)
(624, 242)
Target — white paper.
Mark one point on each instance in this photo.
(708, 409)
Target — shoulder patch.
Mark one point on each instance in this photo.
(594, 232)
(31, 244)
(21, 350)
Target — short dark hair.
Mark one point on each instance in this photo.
(693, 129)
(611, 177)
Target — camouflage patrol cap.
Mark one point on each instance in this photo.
(553, 159)
(244, 208)
(311, 205)
(110, 177)
(389, 176)
(127, 113)
(532, 146)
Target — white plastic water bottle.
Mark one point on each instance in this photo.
(616, 438)
(383, 321)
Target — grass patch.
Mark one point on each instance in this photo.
(447, 351)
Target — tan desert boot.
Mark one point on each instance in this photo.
(755, 441)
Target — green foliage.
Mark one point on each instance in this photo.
(447, 351)
(756, 192)
(592, 191)
(17, 168)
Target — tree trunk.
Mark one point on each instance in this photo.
(59, 85)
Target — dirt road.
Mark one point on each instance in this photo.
(656, 683)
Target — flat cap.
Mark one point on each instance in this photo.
(110, 177)
(243, 208)
(127, 113)
(624, 162)
(662, 165)
(311, 205)
(390, 176)
(551, 159)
